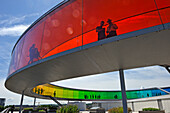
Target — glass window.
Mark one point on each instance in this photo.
(31, 51)
(106, 18)
(164, 10)
(63, 28)
(16, 56)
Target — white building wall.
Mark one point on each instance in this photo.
(166, 105)
(138, 106)
(107, 104)
(129, 105)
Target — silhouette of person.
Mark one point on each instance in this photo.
(111, 29)
(33, 54)
(101, 31)
(85, 96)
(54, 93)
(147, 94)
(42, 90)
(35, 90)
(115, 96)
(38, 91)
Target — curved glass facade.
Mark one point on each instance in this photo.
(80, 22)
(67, 93)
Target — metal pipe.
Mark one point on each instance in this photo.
(123, 90)
(22, 97)
(34, 102)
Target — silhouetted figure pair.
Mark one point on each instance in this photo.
(111, 30)
(33, 54)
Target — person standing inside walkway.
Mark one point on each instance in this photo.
(111, 29)
(101, 31)
(33, 54)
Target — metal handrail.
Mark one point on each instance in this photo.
(6, 110)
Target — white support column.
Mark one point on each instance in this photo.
(133, 107)
(34, 102)
(123, 90)
(22, 97)
(159, 101)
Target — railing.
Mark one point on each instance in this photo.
(6, 110)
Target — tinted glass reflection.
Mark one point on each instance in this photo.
(72, 25)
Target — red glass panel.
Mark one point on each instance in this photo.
(128, 15)
(61, 30)
(138, 22)
(164, 9)
(16, 57)
(62, 25)
(165, 15)
(162, 3)
(95, 11)
(12, 66)
(32, 45)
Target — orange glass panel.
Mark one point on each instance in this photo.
(32, 45)
(90, 37)
(73, 43)
(62, 25)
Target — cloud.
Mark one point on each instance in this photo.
(147, 73)
(11, 98)
(16, 30)
(108, 81)
(154, 76)
(10, 20)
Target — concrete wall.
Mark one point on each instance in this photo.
(139, 105)
(162, 104)
(107, 105)
(110, 105)
(166, 105)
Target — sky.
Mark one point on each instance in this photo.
(17, 15)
